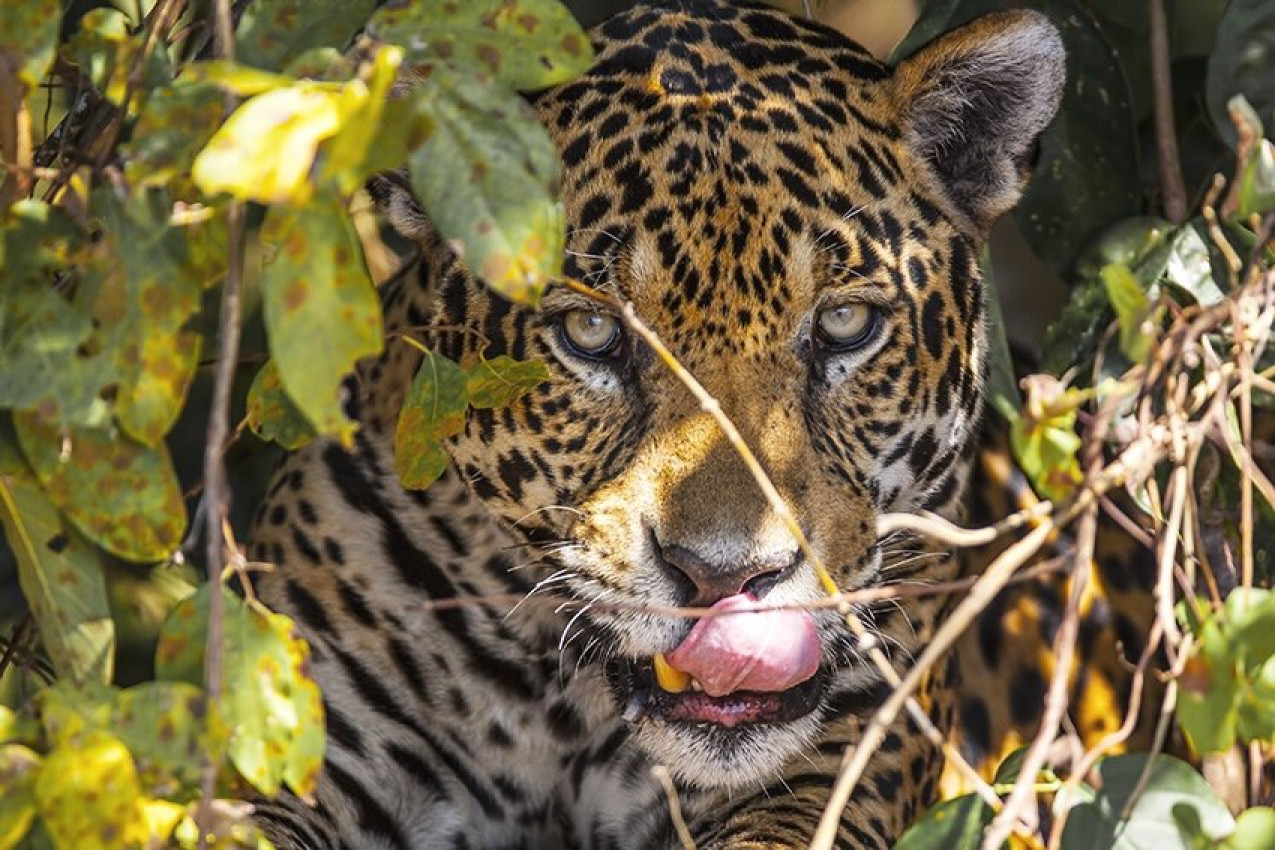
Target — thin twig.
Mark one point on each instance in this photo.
(661, 774)
(216, 492)
(1166, 136)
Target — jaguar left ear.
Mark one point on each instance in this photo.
(974, 103)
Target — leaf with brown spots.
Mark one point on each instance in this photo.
(505, 219)
(88, 795)
(42, 334)
(272, 415)
(499, 381)
(146, 293)
(528, 44)
(19, 768)
(322, 312)
(272, 32)
(433, 410)
(62, 582)
(270, 702)
(176, 124)
(122, 495)
(172, 732)
(28, 37)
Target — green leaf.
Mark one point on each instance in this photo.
(41, 333)
(178, 121)
(172, 733)
(88, 795)
(498, 382)
(433, 410)
(1002, 386)
(19, 768)
(488, 176)
(955, 824)
(1151, 824)
(527, 44)
(1087, 176)
(1044, 440)
(272, 32)
(1132, 308)
(28, 37)
(1208, 689)
(145, 295)
(1241, 63)
(269, 700)
(272, 415)
(322, 312)
(935, 19)
(1254, 830)
(123, 496)
(61, 581)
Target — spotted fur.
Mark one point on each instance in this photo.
(731, 171)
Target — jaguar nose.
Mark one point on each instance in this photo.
(707, 579)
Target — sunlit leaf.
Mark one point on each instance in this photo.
(19, 767)
(61, 581)
(265, 150)
(488, 176)
(345, 156)
(321, 311)
(88, 794)
(499, 381)
(1254, 830)
(272, 415)
(122, 495)
(528, 44)
(269, 700)
(1044, 439)
(433, 410)
(28, 37)
(1132, 310)
(272, 32)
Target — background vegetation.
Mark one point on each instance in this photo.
(180, 219)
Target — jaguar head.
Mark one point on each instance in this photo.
(800, 226)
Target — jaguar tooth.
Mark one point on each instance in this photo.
(669, 677)
(695, 685)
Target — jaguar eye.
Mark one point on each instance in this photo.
(847, 326)
(590, 333)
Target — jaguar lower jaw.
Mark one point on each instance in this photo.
(643, 699)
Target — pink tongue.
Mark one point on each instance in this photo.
(755, 651)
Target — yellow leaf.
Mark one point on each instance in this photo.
(265, 150)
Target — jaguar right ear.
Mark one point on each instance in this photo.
(974, 103)
(392, 194)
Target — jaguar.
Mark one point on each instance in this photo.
(505, 657)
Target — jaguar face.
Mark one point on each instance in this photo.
(800, 227)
